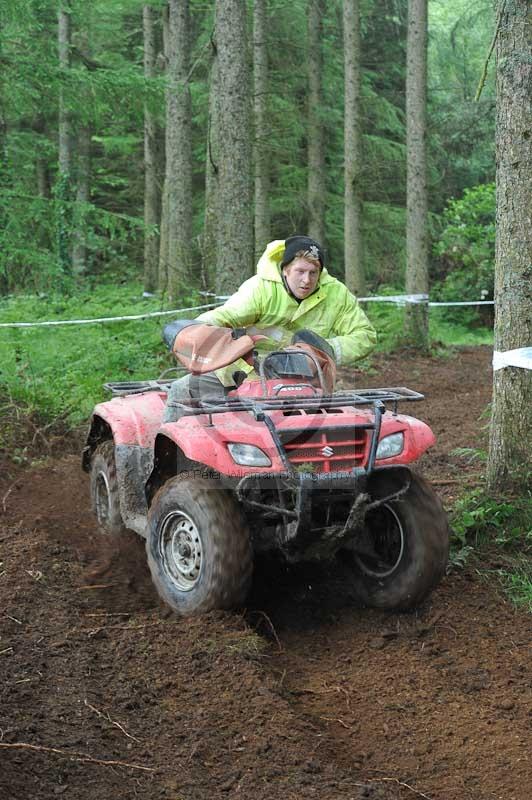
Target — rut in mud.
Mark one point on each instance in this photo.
(106, 694)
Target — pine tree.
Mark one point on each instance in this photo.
(511, 422)
(212, 157)
(315, 134)
(151, 184)
(234, 250)
(262, 125)
(63, 187)
(178, 180)
(416, 316)
(353, 241)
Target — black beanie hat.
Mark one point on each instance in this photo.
(296, 243)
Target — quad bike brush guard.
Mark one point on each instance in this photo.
(278, 464)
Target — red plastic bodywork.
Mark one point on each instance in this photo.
(136, 419)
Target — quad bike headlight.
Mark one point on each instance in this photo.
(391, 445)
(247, 455)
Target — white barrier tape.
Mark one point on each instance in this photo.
(398, 299)
(520, 357)
(464, 303)
(104, 319)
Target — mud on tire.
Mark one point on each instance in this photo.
(198, 546)
(104, 489)
(410, 537)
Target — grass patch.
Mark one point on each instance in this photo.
(444, 333)
(59, 371)
(498, 530)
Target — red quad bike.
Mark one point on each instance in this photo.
(281, 464)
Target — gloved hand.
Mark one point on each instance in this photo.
(322, 351)
(316, 341)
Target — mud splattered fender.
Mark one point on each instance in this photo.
(133, 467)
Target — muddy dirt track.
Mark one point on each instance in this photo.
(106, 695)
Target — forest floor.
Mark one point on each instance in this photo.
(104, 694)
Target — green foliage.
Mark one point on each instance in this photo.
(59, 371)
(501, 528)
(105, 89)
(466, 246)
(517, 581)
(477, 516)
(444, 333)
(462, 132)
(41, 263)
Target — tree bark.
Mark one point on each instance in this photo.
(64, 34)
(509, 464)
(417, 281)
(41, 164)
(212, 157)
(262, 128)
(235, 218)
(63, 186)
(83, 182)
(316, 152)
(179, 152)
(162, 278)
(82, 172)
(152, 198)
(353, 240)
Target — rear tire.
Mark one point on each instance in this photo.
(104, 489)
(198, 547)
(407, 549)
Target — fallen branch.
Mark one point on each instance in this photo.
(95, 586)
(446, 481)
(113, 614)
(4, 498)
(398, 782)
(270, 624)
(337, 719)
(107, 717)
(75, 756)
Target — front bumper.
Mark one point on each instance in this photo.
(315, 514)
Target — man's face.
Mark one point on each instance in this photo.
(302, 277)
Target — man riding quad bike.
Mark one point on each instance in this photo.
(279, 463)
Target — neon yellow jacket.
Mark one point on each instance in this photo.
(262, 305)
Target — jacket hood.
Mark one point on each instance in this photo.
(269, 264)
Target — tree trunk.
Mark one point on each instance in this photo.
(83, 181)
(42, 177)
(63, 186)
(235, 218)
(179, 152)
(64, 33)
(162, 278)
(4, 184)
(210, 230)
(353, 241)
(316, 151)
(261, 122)
(511, 422)
(41, 164)
(417, 281)
(151, 185)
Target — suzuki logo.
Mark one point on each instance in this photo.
(327, 451)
